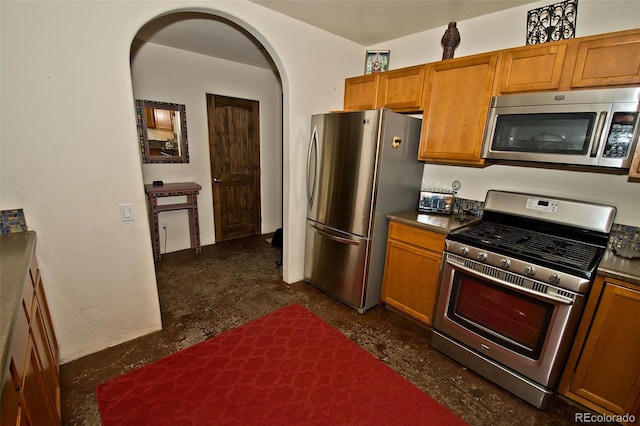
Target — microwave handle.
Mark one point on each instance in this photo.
(595, 147)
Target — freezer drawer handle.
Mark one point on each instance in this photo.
(336, 238)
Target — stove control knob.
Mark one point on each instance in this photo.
(481, 256)
(554, 278)
(464, 251)
(505, 263)
(529, 270)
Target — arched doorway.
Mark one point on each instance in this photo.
(179, 58)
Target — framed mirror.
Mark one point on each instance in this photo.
(162, 132)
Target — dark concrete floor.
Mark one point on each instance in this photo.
(231, 283)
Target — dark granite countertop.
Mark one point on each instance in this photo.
(621, 268)
(442, 223)
(15, 258)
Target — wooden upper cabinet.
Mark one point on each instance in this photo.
(361, 92)
(611, 60)
(455, 105)
(164, 119)
(401, 90)
(531, 68)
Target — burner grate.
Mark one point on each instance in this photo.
(552, 248)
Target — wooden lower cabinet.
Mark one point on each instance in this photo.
(412, 271)
(603, 370)
(31, 391)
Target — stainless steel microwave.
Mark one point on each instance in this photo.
(583, 127)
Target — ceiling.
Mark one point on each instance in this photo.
(366, 22)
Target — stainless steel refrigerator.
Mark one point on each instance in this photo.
(361, 166)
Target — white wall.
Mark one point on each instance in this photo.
(69, 155)
(165, 74)
(506, 30)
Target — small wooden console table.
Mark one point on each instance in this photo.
(190, 189)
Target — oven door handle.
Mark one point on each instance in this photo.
(543, 296)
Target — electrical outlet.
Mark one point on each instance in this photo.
(164, 227)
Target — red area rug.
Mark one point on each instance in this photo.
(287, 367)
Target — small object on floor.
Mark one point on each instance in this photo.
(276, 241)
(158, 183)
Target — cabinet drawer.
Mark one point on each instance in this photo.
(418, 237)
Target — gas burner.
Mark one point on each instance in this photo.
(550, 249)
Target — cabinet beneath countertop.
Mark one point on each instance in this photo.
(412, 271)
(603, 369)
(415, 244)
(30, 379)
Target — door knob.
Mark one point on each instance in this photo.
(217, 180)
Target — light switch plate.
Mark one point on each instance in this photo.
(126, 212)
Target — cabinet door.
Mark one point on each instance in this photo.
(608, 373)
(455, 105)
(164, 119)
(10, 409)
(38, 406)
(48, 367)
(410, 280)
(531, 68)
(412, 271)
(49, 335)
(361, 92)
(608, 61)
(401, 90)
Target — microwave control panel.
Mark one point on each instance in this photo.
(620, 134)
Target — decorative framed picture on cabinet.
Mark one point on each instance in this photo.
(376, 61)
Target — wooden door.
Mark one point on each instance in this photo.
(234, 146)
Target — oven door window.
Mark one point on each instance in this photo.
(505, 317)
(561, 133)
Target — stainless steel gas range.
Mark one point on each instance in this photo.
(514, 285)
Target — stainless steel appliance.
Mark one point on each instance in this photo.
(596, 128)
(362, 165)
(514, 285)
(436, 201)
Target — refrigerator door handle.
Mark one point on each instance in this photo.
(313, 146)
(335, 237)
